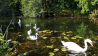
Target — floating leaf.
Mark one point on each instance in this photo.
(44, 31)
(56, 49)
(64, 49)
(58, 37)
(76, 36)
(39, 32)
(48, 32)
(26, 53)
(51, 53)
(67, 32)
(63, 34)
(49, 46)
(28, 38)
(80, 37)
(65, 38)
(73, 38)
(44, 37)
(68, 35)
(15, 42)
(55, 31)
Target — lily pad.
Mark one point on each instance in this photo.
(44, 31)
(65, 38)
(58, 37)
(73, 38)
(51, 53)
(67, 32)
(77, 36)
(15, 42)
(80, 37)
(44, 37)
(56, 49)
(49, 46)
(28, 38)
(63, 34)
(64, 49)
(68, 35)
(39, 32)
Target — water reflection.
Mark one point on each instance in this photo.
(83, 54)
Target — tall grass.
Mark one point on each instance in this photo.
(4, 44)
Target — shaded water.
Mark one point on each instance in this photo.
(55, 30)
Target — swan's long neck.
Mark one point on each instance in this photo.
(85, 42)
(36, 35)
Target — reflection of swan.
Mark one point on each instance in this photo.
(29, 32)
(33, 37)
(74, 48)
(28, 25)
(34, 26)
(75, 54)
(19, 22)
(12, 23)
(37, 30)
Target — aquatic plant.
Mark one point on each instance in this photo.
(4, 44)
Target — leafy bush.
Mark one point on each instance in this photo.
(32, 8)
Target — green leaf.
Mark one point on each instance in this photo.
(49, 46)
(9, 49)
(51, 54)
(56, 49)
(44, 37)
(64, 49)
(26, 53)
(15, 42)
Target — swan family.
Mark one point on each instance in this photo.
(74, 48)
(30, 32)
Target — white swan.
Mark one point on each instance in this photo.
(34, 27)
(37, 29)
(33, 37)
(28, 25)
(74, 48)
(19, 22)
(29, 32)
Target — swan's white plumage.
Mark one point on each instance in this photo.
(29, 32)
(74, 48)
(19, 22)
(33, 37)
(34, 27)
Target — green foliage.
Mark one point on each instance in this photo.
(4, 7)
(32, 8)
(81, 31)
(15, 4)
(86, 5)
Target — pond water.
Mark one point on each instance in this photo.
(51, 32)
